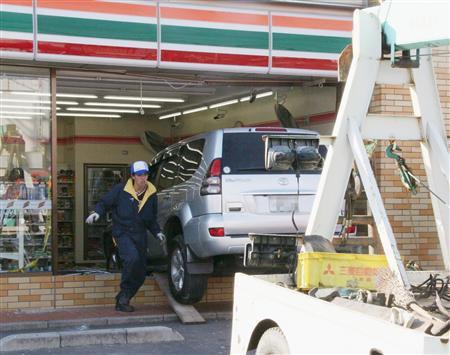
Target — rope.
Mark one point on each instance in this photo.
(409, 180)
(404, 171)
(434, 284)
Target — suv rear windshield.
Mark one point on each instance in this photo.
(243, 153)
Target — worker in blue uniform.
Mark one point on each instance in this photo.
(134, 208)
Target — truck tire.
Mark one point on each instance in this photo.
(186, 288)
(273, 342)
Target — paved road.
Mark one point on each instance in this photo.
(212, 338)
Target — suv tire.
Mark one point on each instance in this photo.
(186, 288)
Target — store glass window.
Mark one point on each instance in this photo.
(25, 166)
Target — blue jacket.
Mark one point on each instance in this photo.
(129, 215)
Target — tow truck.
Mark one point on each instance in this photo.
(391, 45)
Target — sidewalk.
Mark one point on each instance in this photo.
(104, 315)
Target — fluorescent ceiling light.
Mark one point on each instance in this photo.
(225, 103)
(26, 101)
(80, 96)
(101, 110)
(198, 109)
(137, 98)
(170, 115)
(74, 114)
(39, 102)
(16, 117)
(258, 96)
(31, 93)
(113, 104)
(26, 107)
(66, 102)
(21, 113)
(264, 94)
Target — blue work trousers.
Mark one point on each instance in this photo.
(133, 253)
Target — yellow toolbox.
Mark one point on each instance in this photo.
(316, 269)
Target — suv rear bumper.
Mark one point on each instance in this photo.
(196, 234)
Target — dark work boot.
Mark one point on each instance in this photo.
(123, 303)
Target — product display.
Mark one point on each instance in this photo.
(24, 228)
(65, 215)
(98, 179)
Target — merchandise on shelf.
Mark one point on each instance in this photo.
(65, 215)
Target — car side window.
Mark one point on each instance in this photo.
(168, 170)
(191, 155)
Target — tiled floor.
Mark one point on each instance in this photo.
(102, 312)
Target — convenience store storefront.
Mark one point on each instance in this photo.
(59, 57)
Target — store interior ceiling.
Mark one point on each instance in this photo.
(162, 94)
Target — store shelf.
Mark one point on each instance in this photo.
(99, 179)
(65, 216)
(22, 239)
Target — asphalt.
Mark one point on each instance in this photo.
(96, 326)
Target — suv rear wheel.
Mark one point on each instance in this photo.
(186, 288)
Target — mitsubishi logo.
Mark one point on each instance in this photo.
(329, 270)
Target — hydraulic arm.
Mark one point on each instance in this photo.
(378, 34)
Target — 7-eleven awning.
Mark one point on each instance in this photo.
(175, 35)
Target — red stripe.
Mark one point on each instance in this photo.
(310, 119)
(304, 63)
(99, 140)
(214, 58)
(16, 45)
(90, 50)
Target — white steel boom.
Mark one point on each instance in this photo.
(401, 31)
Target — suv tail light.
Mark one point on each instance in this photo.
(212, 182)
(217, 232)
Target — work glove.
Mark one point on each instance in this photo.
(162, 240)
(93, 217)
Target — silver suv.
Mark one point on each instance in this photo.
(213, 189)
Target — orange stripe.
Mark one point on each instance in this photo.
(100, 6)
(214, 16)
(17, 2)
(313, 23)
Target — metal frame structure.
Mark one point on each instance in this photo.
(353, 124)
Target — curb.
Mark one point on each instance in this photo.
(105, 321)
(54, 340)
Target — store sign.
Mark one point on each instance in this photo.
(179, 35)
